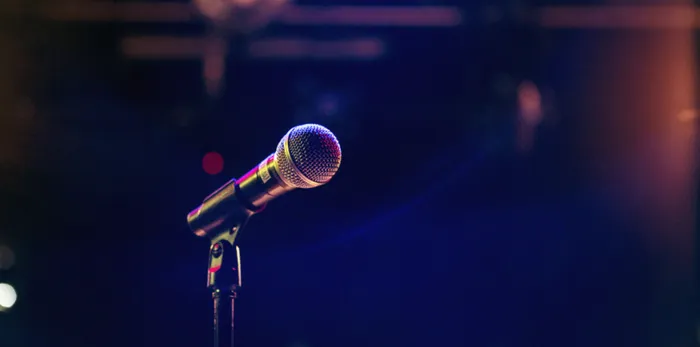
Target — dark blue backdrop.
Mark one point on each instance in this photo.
(435, 232)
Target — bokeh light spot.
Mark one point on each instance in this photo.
(530, 103)
(7, 258)
(687, 115)
(8, 296)
(213, 163)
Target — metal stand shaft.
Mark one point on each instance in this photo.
(223, 280)
(223, 318)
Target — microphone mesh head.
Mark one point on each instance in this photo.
(308, 156)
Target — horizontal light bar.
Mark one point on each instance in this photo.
(113, 12)
(434, 16)
(298, 15)
(170, 47)
(365, 48)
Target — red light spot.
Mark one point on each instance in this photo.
(213, 163)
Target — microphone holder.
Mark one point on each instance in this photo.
(223, 281)
(219, 218)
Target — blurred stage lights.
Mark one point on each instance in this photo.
(8, 296)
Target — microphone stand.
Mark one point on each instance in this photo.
(224, 280)
(220, 217)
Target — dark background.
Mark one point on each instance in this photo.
(436, 231)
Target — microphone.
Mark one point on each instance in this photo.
(306, 157)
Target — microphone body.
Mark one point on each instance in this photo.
(307, 156)
(263, 183)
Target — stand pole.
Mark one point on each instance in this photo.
(223, 318)
(223, 281)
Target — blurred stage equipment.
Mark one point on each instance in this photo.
(240, 15)
(243, 17)
(306, 157)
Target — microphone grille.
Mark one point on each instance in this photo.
(308, 156)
